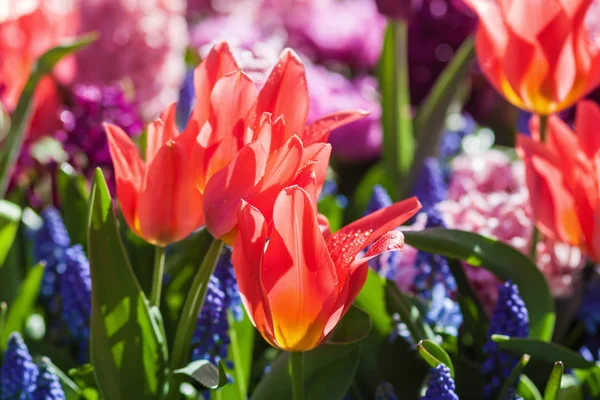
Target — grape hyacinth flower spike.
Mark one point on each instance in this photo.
(385, 391)
(510, 318)
(47, 384)
(441, 385)
(18, 373)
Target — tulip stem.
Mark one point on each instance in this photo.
(535, 236)
(297, 373)
(157, 279)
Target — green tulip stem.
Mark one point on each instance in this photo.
(297, 373)
(535, 237)
(157, 278)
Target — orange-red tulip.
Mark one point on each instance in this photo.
(158, 195)
(542, 55)
(563, 177)
(253, 144)
(296, 280)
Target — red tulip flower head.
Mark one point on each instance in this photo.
(563, 177)
(296, 280)
(252, 144)
(158, 195)
(542, 55)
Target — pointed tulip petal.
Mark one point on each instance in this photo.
(298, 274)
(228, 187)
(286, 94)
(160, 132)
(219, 62)
(247, 259)
(588, 123)
(319, 130)
(345, 244)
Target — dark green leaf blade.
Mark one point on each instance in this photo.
(23, 305)
(22, 114)
(513, 378)
(328, 373)
(128, 351)
(527, 389)
(434, 355)
(504, 261)
(543, 351)
(10, 215)
(400, 303)
(354, 327)
(553, 385)
(74, 197)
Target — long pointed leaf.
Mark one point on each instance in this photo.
(553, 385)
(128, 349)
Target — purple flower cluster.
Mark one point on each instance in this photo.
(83, 134)
(440, 385)
(510, 318)
(66, 285)
(211, 337)
(385, 391)
(21, 379)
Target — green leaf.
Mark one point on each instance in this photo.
(553, 385)
(85, 379)
(543, 351)
(189, 315)
(409, 313)
(398, 139)
(328, 372)
(22, 113)
(513, 378)
(372, 298)
(3, 315)
(70, 388)
(501, 259)
(23, 305)
(202, 374)
(434, 355)
(330, 207)
(73, 194)
(431, 118)
(354, 327)
(128, 350)
(241, 334)
(527, 389)
(10, 215)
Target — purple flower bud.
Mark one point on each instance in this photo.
(398, 9)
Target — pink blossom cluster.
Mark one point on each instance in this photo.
(487, 195)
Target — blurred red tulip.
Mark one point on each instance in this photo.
(253, 144)
(28, 28)
(563, 177)
(296, 280)
(158, 196)
(542, 55)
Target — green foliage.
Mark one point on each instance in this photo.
(553, 385)
(74, 197)
(202, 374)
(128, 346)
(514, 376)
(434, 355)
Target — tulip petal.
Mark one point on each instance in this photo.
(588, 123)
(247, 259)
(160, 132)
(170, 205)
(316, 158)
(345, 244)
(286, 94)
(298, 274)
(129, 171)
(229, 186)
(319, 130)
(218, 63)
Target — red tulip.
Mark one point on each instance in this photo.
(563, 177)
(253, 144)
(296, 280)
(542, 55)
(158, 196)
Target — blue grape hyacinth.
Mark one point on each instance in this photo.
(440, 385)
(430, 187)
(211, 337)
(510, 318)
(47, 384)
(75, 288)
(432, 268)
(50, 243)
(18, 373)
(443, 313)
(385, 391)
